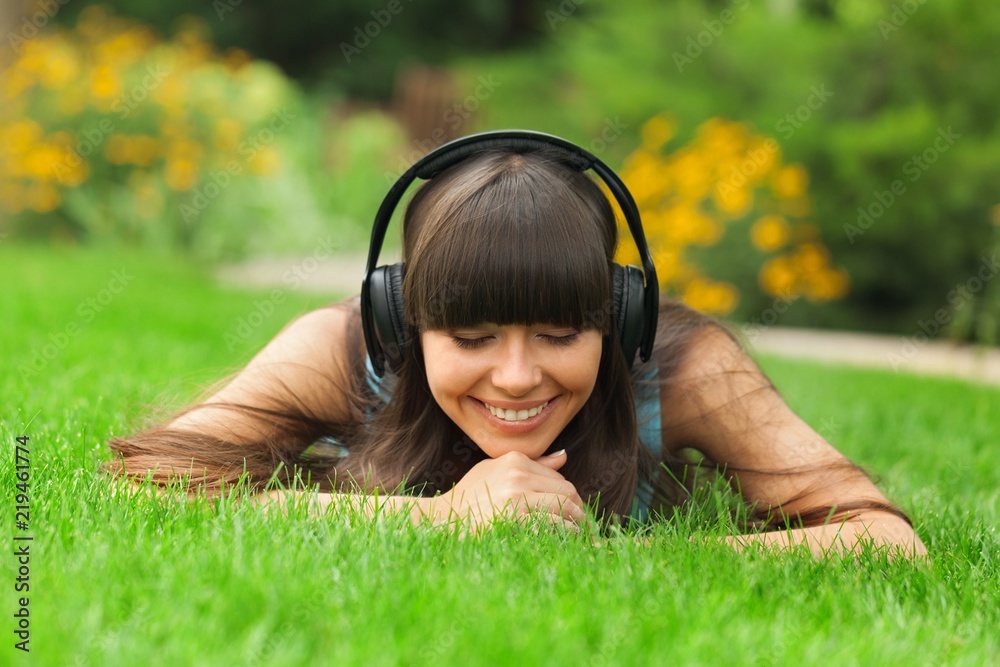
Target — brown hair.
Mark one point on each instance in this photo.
(475, 238)
(472, 234)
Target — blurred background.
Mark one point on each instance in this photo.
(821, 163)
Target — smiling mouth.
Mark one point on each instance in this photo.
(515, 415)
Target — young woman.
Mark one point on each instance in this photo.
(512, 391)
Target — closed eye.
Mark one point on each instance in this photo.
(563, 340)
(469, 343)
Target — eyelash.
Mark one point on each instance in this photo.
(473, 343)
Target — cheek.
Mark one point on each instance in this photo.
(583, 370)
(446, 375)
(434, 368)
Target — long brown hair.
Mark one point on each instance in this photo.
(474, 239)
(509, 238)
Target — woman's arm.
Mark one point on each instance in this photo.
(510, 486)
(259, 422)
(720, 403)
(306, 362)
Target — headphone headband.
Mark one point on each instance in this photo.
(519, 141)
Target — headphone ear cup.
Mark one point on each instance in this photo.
(389, 314)
(629, 310)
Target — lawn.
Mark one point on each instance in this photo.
(93, 340)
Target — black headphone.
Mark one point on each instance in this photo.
(635, 306)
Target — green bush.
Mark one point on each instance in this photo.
(852, 90)
(350, 47)
(110, 134)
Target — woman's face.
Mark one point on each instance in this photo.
(512, 388)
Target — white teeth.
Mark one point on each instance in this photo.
(515, 415)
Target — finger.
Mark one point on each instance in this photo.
(553, 461)
(571, 525)
(554, 504)
(562, 488)
(558, 520)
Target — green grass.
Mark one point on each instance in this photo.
(125, 581)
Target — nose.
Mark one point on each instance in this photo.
(516, 371)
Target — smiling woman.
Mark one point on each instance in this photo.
(517, 387)
(509, 336)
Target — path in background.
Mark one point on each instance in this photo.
(341, 275)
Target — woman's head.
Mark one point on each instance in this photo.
(508, 285)
(509, 238)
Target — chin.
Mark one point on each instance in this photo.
(531, 450)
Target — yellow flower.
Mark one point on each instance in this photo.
(43, 161)
(657, 131)
(995, 215)
(827, 285)
(60, 65)
(43, 197)
(667, 265)
(778, 278)
(181, 174)
(226, 134)
(265, 162)
(21, 135)
(769, 233)
(710, 297)
(104, 85)
(734, 202)
(811, 257)
(790, 181)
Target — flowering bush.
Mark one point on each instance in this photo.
(726, 176)
(108, 131)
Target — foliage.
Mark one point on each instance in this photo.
(348, 47)
(109, 132)
(725, 176)
(858, 92)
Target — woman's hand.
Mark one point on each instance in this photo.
(512, 485)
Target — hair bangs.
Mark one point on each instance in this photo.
(518, 250)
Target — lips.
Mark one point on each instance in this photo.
(511, 414)
(516, 425)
